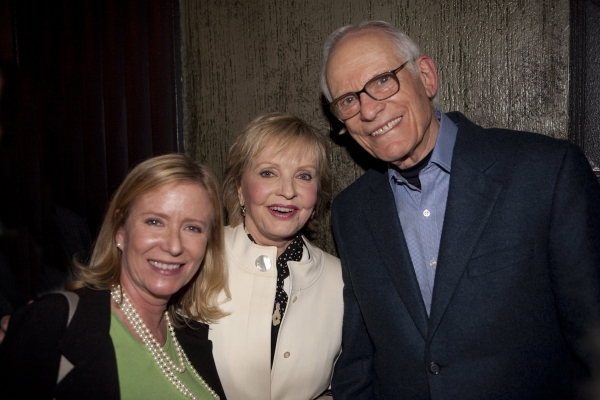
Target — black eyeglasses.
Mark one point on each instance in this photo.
(380, 87)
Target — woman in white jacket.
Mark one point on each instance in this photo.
(283, 334)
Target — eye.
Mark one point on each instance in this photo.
(153, 222)
(194, 229)
(266, 173)
(306, 176)
(383, 80)
(347, 101)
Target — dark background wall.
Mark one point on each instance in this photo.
(501, 62)
(90, 87)
(585, 78)
(592, 82)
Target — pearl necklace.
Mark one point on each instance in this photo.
(167, 366)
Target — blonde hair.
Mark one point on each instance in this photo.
(199, 298)
(290, 135)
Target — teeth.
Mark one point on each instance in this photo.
(386, 127)
(282, 209)
(165, 266)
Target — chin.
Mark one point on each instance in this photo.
(285, 235)
(166, 291)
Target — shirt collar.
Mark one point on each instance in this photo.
(444, 145)
(443, 149)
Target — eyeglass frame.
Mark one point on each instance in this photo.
(393, 73)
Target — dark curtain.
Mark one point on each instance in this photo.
(91, 88)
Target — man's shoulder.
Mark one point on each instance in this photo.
(366, 182)
(504, 141)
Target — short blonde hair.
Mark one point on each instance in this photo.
(199, 298)
(290, 135)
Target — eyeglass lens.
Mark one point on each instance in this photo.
(379, 88)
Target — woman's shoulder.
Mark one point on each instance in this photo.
(193, 338)
(49, 306)
(192, 328)
(229, 231)
(233, 237)
(328, 259)
(330, 265)
(53, 308)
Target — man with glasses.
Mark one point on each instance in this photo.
(472, 265)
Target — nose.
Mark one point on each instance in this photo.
(369, 107)
(287, 188)
(173, 243)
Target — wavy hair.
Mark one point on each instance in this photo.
(199, 299)
(293, 137)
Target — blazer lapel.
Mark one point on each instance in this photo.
(471, 198)
(87, 345)
(383, 222)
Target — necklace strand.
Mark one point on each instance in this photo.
(166, 364)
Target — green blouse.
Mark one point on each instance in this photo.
(140, 377)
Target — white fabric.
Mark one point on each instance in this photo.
(310, 334)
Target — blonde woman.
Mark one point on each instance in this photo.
(283, 332)
(121, 333)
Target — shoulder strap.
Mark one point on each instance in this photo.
(65, 365)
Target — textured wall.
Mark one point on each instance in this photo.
(591, 145)
(502, 63)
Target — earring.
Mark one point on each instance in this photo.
(118, 244)
(243, 210)
(312, 215)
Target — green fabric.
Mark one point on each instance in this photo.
(140, 377)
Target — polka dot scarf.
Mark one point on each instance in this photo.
(292, 253)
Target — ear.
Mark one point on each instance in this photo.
(428, 75)
(240, 196)
(119, 237)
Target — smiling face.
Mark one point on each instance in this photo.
(163, 240)
(279, 192)
(401, 129)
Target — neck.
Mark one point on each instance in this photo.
(281, 244)
(424, 148)
(152, 312)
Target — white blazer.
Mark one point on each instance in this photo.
(310, 335)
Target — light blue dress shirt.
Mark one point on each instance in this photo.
(421, 212)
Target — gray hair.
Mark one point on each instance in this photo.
(406, 47)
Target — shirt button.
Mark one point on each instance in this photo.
(433, 263)
(426, 213)
(434, 368)
(294, 299)
(286, 354)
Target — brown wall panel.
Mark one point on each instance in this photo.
(501, 62)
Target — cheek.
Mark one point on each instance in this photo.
(310, 196)
(255, 195)
(139, 240)
(363, 141)
(200, 247)
(354, 127)
(197, 250)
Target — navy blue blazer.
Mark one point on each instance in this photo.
(517, 286)
(38, 335)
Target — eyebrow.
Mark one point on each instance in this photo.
(165, 216)
(373, 77)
